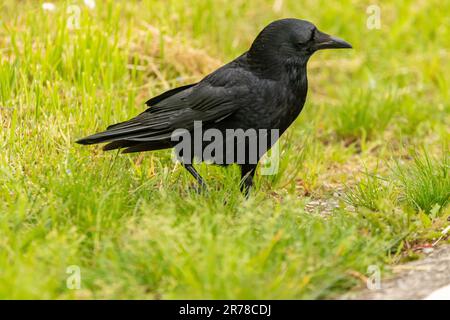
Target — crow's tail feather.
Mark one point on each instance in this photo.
(130, 135)
(114, 132)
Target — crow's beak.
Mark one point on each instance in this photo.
(325, 41)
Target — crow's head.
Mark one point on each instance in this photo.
(292, 39)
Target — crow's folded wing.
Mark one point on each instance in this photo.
(213, 99)
(153, 101)
(205, 103)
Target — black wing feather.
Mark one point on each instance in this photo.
(212, 99)
(155, 100)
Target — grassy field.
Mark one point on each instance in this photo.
(364, 173)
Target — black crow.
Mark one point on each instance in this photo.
(262, 91)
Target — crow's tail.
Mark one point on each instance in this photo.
(131, 135)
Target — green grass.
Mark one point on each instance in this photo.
(133, 223)
(363, 115)
(426, 182)
(371, 192)
(423, 184)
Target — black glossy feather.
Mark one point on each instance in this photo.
(155, 100)
(179, 109)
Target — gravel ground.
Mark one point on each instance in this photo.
(428, 278)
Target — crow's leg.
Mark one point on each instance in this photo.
(195, 174)
(247, 173)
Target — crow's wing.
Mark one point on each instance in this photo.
(212, 99)
(153, 101)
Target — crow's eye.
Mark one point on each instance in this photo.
(302, 43)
